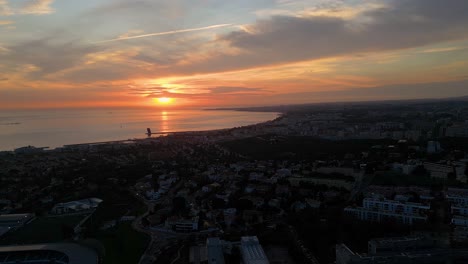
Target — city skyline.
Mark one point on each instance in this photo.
(216, 53)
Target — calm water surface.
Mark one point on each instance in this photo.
(55, 128)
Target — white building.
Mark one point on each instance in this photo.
(433, 147)
(182, 225)
(214, 248)
(460, 221)
(458, 200)
(395, 206)
(458, 210)
(252, 252)
(440, 171)
(76, 206)
(378, 216)
(381, 210)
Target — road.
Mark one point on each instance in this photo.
(360, 185)
(159, 240)
(178, 256)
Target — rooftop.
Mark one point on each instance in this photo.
(76, 254)
(214, 250)
(252, 251)
(15, 217)
(394, 240)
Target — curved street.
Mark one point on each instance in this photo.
(158, 238)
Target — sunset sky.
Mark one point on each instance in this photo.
(100, 53)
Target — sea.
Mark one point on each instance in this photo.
(55, 128)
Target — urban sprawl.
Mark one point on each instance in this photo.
(334, 183)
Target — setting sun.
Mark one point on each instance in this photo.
(164, 100)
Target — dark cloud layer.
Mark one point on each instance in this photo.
(282, 39)
(386, 92)
(47, 56)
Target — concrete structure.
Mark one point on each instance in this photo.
(15, 220)
(378, 216)
(433, 147)
(76, 206)
(457, 210)
(252, 252)
(395, 206)
(403, 250)
(198, 255)
(62, 253)
(214, 248)
(439, 171)
(182, 225)
(383, 245)
(381, 210)
(250, 249)
(460, 220)
(458, 200)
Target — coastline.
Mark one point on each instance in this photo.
(178, 133)
(253, 109)
(156, 135)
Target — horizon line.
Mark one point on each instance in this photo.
(219, 107)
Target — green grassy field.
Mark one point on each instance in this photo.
(42, 230)
(122, 244)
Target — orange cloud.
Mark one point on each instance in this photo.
(6, 22)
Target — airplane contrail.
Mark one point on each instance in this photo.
(165, 33)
